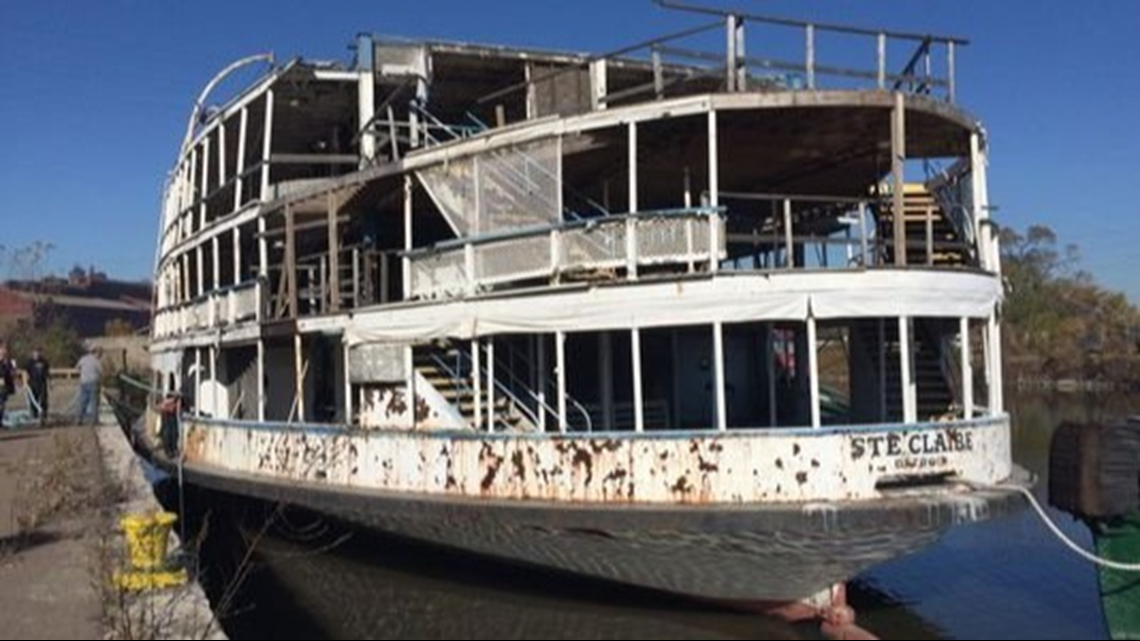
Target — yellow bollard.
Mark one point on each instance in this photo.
(148, 537)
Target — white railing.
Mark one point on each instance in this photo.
(466, 266)
(219, 309)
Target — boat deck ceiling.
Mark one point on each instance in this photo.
(834, 150)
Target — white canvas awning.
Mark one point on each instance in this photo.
(735, 298)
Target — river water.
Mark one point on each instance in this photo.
(1007, 578)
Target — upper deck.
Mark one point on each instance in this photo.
(437, 171)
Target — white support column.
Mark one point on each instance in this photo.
(906, 372)
(638, 400)
(997, 402)
(599, 84)
(299, 375)
(267, 146)
(198, 380)
(215, 411)
(789, 241)
(809, 55)
(631, 223)
(719, 382)
(770, 361)
(967, 368)
(261, 379)
(898, 181)
(983, 231)
(606, 378)
(813, 371)
(200, 270)
(221, 154)
(366, 108)
(410, 383)
(490, 383)
(408, 239)
(477, 381)
(237, 255)
(216, 262)
(714, 194)
(864, 256)
(674, 367)
(542, 380)
(560, 355)
(348, 384)
(882, 370)
(239, 163)
(205, 183)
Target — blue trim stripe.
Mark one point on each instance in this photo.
(662, 435)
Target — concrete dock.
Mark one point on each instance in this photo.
(62, 493)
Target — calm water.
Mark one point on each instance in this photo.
(1006, 578)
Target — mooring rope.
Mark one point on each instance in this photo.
(1056, 531)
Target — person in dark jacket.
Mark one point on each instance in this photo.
(7, 379)
(38, 373)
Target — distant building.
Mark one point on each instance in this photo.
(87, 301)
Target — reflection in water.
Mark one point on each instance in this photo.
(1007, 578)
(311, 579)
(314, 579)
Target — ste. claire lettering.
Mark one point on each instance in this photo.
(911, 444)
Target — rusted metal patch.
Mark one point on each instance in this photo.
(713, 468)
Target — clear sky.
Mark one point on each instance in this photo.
(94, 97)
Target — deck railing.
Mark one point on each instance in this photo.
(219, 309)
(611, 244)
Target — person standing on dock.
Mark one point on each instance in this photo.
(90, 374)
(7, 379)
(38, 373)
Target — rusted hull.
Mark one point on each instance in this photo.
(746, 553)
(741, 517)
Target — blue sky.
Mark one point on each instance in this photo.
(94, 98)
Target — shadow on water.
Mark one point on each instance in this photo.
(313, 578)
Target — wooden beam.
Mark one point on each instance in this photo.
(289, 275)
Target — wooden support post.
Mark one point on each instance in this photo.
(289, 269)
(898, 174)
(929, 236)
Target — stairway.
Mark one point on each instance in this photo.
(935, 396)
(941, 244)
(448, 370)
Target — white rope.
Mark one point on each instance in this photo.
(1069, 543)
